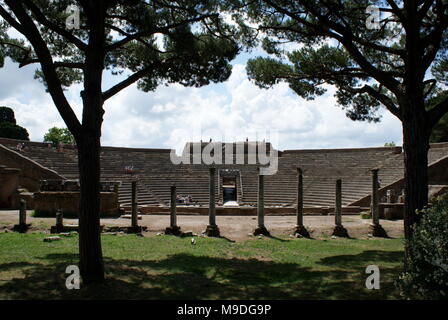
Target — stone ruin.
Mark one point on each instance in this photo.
(237, 182)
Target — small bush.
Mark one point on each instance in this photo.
(366, 215)
(426, 275)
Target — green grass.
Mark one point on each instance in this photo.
(165, 267)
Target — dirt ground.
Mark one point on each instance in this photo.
(237, 228)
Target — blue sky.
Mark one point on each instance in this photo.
(173, 115)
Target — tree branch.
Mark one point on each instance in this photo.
(30, 31)
(164, 30)
(13, 22)
(7, 43)
(436, 113)
(345, 37)
(382, 98)
(57, 64)
(129, 81)
(40, 17)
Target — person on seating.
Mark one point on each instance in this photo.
(190, 199)
(20, 146)
(128, 169)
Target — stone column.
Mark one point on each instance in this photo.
(134, 216)
(59, 219)
(375, 228)
(261, 229)
(22, 212)
(173, 228)
(339, 230)
(59, 227)
(300, 230)
(338, 203)
(22, 226)
(212, 229)
(134, 228)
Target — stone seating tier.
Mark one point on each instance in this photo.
(156, 173)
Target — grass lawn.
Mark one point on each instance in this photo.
(166, 267)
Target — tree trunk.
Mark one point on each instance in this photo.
(91, 258)
(416, 146)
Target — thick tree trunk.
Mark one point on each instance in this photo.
(91, 258)
(416, 146)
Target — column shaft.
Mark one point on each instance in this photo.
(212, 204)
(338, 203)
(260, 205)
(299, 198)
(375, 199)
(134, 216)
(173, 218)
(22, 212)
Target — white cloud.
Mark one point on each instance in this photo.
(173, 115)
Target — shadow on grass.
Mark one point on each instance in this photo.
(185, 276)
(277, 238)
(364, 258)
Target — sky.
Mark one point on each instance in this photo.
(230, 111)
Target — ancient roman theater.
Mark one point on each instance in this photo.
(46, 177)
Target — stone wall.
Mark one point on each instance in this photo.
(9, 182)
(438, 172)
(243, 211)
(46, 203)
(31, 171)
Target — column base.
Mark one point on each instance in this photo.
(261, 231)
(301, 232)
(175, 231)
(212, 231)
(68, 228)
(340, 231)
(378, 231)
(136, 229)
(57, 229)
(22, 228)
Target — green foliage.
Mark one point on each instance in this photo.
(185, 42)
(321, 43)
(390, 144)
(149, 43)
(13, 131)
(8, 126)
(7, 115)
(440, 69)
(59, 135)
(426, 275)
(365, 215)
(440, 130)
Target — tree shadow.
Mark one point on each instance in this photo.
(277, 238)
(188, 277)
(363, 258)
